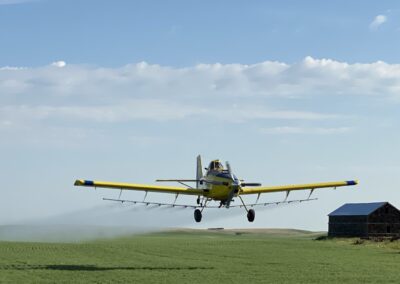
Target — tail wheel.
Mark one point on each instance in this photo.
(197, 215)
(251, 215)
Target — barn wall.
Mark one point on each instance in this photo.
(385, 221)
(347, 226)
(348, 219)
(383, 229)
(385, 214)
(347, 230)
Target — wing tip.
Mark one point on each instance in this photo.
(352, 182)
(81, 182)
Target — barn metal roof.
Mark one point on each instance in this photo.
(357, 209)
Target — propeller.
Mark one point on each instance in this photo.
(228, 167)
(234, 186)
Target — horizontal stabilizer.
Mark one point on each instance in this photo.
(250, 184)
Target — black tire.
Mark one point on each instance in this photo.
(251, 215)
(197, 215)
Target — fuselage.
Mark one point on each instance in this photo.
(218, 183)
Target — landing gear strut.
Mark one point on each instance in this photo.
(197, 212)
(197, 215)
(251, 214)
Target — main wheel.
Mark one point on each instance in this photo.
(197, 215)
(251, 215)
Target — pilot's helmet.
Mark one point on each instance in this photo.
(218, 165)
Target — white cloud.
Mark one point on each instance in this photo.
(377, 22)
(59, 64)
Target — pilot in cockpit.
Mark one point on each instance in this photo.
(216, 166)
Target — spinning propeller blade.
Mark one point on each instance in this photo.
(234, 186)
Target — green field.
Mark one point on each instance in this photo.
(202, 257)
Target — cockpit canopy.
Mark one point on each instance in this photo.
(215, 166)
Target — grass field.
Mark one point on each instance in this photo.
(277, 256)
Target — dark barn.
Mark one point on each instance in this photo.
(378, 219)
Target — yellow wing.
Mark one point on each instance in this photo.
(312, 186)
(142, 187)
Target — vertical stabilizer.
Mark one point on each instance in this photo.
(199, 171)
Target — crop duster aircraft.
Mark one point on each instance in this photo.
(218, 184)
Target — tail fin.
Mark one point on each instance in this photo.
(199, 171)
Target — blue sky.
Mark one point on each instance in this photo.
(288, 92)
(183, 33)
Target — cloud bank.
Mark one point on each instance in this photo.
(79, 97)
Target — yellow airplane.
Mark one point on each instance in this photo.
(218, 184)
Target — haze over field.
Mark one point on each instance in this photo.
(288, 92)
